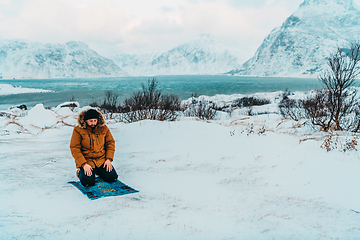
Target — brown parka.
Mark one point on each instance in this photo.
(92, 146)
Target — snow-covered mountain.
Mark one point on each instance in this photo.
(204, 55)
(25, 59)
(301, 45)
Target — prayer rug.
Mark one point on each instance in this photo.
(104, 189)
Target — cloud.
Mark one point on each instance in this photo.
(246, 3)
(157, 27)
(167, 9)
(61, 21)
(112, 26)
(152, 35)
(37, 20)
(101, 22)
(235, 26)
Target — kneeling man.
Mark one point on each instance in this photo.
(93, 148)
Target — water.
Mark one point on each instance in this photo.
(86, 91)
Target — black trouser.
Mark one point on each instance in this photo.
(101, 171)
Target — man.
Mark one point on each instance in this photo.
(93, 148)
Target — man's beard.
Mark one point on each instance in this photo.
(92, 126)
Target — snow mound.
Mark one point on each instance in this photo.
(66, 105)
(39, 117)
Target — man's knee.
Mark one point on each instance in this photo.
(108, 176)
(86, 180)
(112, 175)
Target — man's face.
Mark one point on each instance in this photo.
(92, 122)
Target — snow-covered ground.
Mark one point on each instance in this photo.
(7, 89)
(238, 177)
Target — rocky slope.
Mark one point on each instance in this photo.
(300, 46)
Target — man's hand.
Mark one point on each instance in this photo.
(87, 169)
(108, 166)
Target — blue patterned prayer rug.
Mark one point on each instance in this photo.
(104, 189)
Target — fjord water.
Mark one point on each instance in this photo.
(88, 90)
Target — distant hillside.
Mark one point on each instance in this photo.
(25, 59)
(203, 55)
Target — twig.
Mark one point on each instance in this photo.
(355, 211)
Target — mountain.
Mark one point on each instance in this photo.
(301, 45)
(25, 59)
(203, 55)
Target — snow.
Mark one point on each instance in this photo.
(221, 179)
(7, 89)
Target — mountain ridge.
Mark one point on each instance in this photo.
(300, 46)
(26, 59)
(203, 55)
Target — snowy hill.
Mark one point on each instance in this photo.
(203, 55)
(300, 46)
(25, 59)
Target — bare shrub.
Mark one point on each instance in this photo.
(337, 79)
(286, 94)
(356, 119)
(329, 144)
(249, 102)
(291, 108)
(340, 143)
(335, 107)
(317, 109)
(201, 109)
(110, 103)
(149, 114)
(148, 98)
(320, 110)
(150, 103)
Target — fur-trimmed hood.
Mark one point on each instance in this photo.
(82, 123)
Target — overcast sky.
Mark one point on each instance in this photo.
(115, 26)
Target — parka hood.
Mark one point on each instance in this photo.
(82, 123)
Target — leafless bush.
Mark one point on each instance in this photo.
(321, 111)
(249, 102)
(336, 106)
(340, 143)
(149, 114)
(149, 103)
(201, 109)
(148, 98)
(291, 108)
(110, 103)
(317, 109)
(356, 119)
(341, 75)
